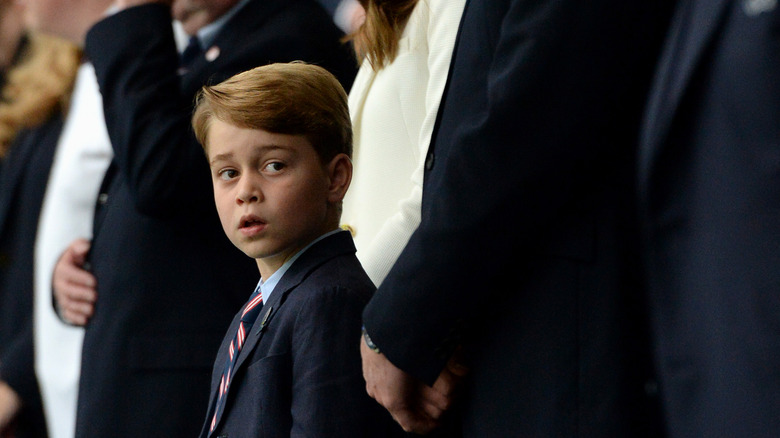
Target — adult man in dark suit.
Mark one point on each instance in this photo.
(22, 186)
(710, 204)
(525, 254)
(168, 282)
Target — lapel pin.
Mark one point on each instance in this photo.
(212, 53)
(265, 319)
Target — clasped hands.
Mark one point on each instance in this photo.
(416, 406)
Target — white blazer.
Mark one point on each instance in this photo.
(393, 112)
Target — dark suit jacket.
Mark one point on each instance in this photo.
(22, 187)
(299, 372)
(526, 250)
(169, 281)
(710, 193)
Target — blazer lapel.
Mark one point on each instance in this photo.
(692, 30)
(258, 328)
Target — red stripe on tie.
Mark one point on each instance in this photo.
(241, 335)
(252, 304)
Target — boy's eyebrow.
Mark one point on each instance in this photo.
(265, 147)
(221, 157)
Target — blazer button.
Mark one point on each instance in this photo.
(102, 198)
(429, 159)
(349, 228)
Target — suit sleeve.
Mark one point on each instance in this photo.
(554, 84)
(147, 114)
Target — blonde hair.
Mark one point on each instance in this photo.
(376, 40)
(294, 98)
(37, 86)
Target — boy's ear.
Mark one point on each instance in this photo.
(340, 176)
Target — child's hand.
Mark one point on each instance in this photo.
(74, 287)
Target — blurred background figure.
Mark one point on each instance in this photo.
(405, 47)
(35, 98)
(11, 34)
(347, 14)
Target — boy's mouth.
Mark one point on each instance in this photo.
(251, 224)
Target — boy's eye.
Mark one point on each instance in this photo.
(275, 166)
(227, 174)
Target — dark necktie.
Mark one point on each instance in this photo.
(248, 317)
(191, 52)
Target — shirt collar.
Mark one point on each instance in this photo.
(208, 33)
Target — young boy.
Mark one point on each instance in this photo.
(279, 140)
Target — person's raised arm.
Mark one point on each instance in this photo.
(147, 110)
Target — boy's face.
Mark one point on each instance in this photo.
(273, 194)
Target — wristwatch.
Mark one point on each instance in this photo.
(371, 345)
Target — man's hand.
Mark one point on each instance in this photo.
(415, 406)
(74, 288)
(9, 405)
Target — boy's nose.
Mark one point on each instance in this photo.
(248, 192)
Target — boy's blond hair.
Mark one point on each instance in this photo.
(293, 98)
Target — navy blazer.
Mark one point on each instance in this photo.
(23, 180)
(710, 197)
(526, 254)
(299, 373)
(168, 279)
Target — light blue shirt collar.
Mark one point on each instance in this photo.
(267, 286)
(208, 33)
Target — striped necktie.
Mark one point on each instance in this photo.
(248, 317)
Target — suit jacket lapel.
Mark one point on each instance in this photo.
(693, 27)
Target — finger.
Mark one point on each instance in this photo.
(77, 293)
(74, 318)
(79, 247)
(446, 383)
(85, 310)
(77, 277)
(415, 422)
(433, 397)
(456, 366)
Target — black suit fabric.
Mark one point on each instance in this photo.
(526, 254)
(168, 280)
(23, 182)
(710, 198)
(299, 372)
